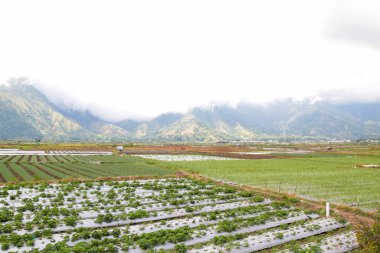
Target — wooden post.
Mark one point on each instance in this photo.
(327, 209)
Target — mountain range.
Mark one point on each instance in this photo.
(26, 114)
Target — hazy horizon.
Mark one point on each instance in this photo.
(345, 99)
(138, 60)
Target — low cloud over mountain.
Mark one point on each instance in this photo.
(26, 114)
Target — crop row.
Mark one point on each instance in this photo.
(51, 167)
(149, 216)
(252, 243)
(58, 159)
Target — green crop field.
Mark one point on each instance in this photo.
(29, 168)
(335, 178)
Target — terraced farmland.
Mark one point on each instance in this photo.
(52, 167)
(161, 215)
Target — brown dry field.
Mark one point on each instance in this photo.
(366, 149)
(226, 151)
(221, 149)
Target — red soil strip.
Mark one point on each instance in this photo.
(223, 151)
(30, 172)
(45, 171)
(14, 172)
(29, 159)
(188, 148)
(38, 159)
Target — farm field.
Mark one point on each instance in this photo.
(53, 167)
(161, 215)
(336, 178)
(58, 146)
(177, 158)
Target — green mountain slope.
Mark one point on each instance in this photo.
(103, 129)
(285, 119)
(25, 114)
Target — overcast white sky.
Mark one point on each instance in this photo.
(138, 59)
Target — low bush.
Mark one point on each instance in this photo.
(369, 237)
